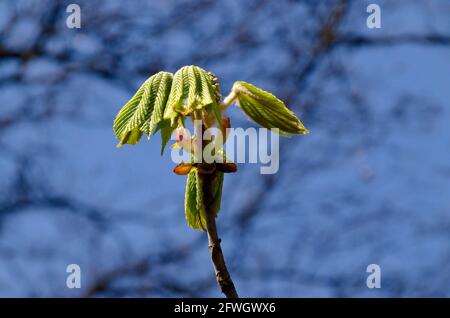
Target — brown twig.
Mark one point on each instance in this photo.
(222, 274)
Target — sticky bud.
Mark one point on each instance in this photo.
(183, 168)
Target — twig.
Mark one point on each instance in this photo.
(222, 274)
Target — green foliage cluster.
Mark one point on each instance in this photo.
(165, 100)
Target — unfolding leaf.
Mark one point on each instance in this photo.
(199, 199)
(162, 91)
(193, 207)
(167, 127)
(131, 137)
(266, 109)
(143, 112)
(192, 89)
(216, 110)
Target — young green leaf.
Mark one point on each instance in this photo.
(266, 109)
(216, 110)
(193, 204)
(167, 127)
(143, 112)
(166, 132)
(123, 118)
(192, 89)
(193, 208)
(162, 91)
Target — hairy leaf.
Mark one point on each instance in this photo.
(193, 208)
(162, 91)
(143, 112)
(193, 204)
(167, 127)
(266, 109)
(192, 89)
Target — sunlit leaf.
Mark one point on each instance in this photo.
(193, 208)
(216, 91)
(143, 112)
(131, 137)
(167, 127)
(266, 109)
(162, 91)
(193, 205)
(192, 89)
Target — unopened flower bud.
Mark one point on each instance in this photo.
(183, 138)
